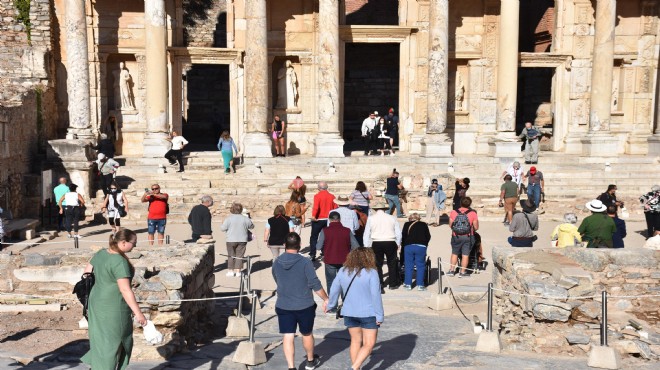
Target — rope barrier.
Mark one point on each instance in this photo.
(139, 301)
(582, 297)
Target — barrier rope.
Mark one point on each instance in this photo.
(139, 301)
(581, 297)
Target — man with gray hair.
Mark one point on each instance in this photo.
(516, 171)
(200, 219)
(324, 202)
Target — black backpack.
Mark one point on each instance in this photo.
(83, 288)
(461, 224)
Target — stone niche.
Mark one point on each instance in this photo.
(564, 313)
(174, 272)
(124, 95)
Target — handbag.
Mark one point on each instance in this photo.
(343, 297)
(250, 236)
(83, 288)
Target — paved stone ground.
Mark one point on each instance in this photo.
(412, 337)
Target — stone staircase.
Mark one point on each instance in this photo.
(570, 181)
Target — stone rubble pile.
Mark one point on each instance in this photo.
(559, 310)
(167, 273)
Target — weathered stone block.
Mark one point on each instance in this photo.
(551, 310)
(171, 279)
(636, 258)
(577, 339)
(591, 259)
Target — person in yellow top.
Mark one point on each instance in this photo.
(567, 233)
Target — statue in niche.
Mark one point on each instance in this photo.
(122, 89)
(287, 89)
(460, 92)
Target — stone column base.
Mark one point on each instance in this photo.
(654, 145)
(436, 145)
(257, 145)
(155, 144)
(416, 144)
(329, 145)
(80, 133)
(504, 145)
(73, 159)
(599, 145)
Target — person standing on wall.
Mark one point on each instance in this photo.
(461, 186)
(278, 129)
(176, 153)
(435, 201)
(531, 135)
(157, 216)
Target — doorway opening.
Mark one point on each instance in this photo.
(371, 83)
(535, 102)
(206, 113)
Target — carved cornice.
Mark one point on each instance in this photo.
(545, 60)
(375, 34)
(206, 55)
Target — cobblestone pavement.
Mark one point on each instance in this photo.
(412, 337)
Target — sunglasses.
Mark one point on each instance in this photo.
(113, 188)
(155, 188)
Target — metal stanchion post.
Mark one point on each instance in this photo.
(249, 272)
(167, 239)
(239, 312)
(75, 242)
(490, 307)
(439, 275)
(253, 314)
(603, 321)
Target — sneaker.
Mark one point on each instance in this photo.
(382, 154)
(463, 275)
(407, 287)
(69, 236)
(506, 223)
(393, 287)
(392, 154)
(230, 274)
(78, 236)
(401, 216)
(421, 288)
(311, 365)
(180, 171)
(449, 274)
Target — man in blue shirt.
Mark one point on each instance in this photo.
(620, 233)
(59, 192)
(392, 194)
(296, 278)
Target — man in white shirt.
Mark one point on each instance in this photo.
(516, 172)
(368, 126)
(383, 233)
(176, 153)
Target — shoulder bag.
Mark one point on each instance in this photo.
(343, 296)
(83, 288)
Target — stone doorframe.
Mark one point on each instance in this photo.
(403, 36)
(561, 83)
(182, 60)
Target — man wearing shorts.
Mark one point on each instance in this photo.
(462, 244)
(296, 278)
(157, 217)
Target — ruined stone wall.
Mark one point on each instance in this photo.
(205, 23)
(562, 310)
(161, 273)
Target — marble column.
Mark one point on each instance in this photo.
(77, 82)
(328, 141)
(654, 140)
(436, 142)
(155, 23)
(505, 143)
(600, 142)
(256, 142)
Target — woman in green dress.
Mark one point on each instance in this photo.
(111, 302)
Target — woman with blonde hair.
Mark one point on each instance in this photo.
(227, 147)
(277, 228)
(237, 226)
(362, 305)
(111, 303)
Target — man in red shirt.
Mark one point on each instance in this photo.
(324, 202)
(462, 235)
(157, 217)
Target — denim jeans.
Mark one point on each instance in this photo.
(330, 274)
(534, 193)
(415, 257)
(393, 201)
(521, 243)
(317, 226)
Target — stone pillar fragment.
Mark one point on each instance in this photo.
(505, 144)
(155, 143)
(77, 83)
(328, 142)
(654, 140)
(256, 141)
(436, 142)
(600, 142)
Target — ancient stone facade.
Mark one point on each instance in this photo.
(549, 300)
(463, 54)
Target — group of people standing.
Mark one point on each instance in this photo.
(380, 134)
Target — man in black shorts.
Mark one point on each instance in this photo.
(296, 278)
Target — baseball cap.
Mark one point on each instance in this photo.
(532, 169)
